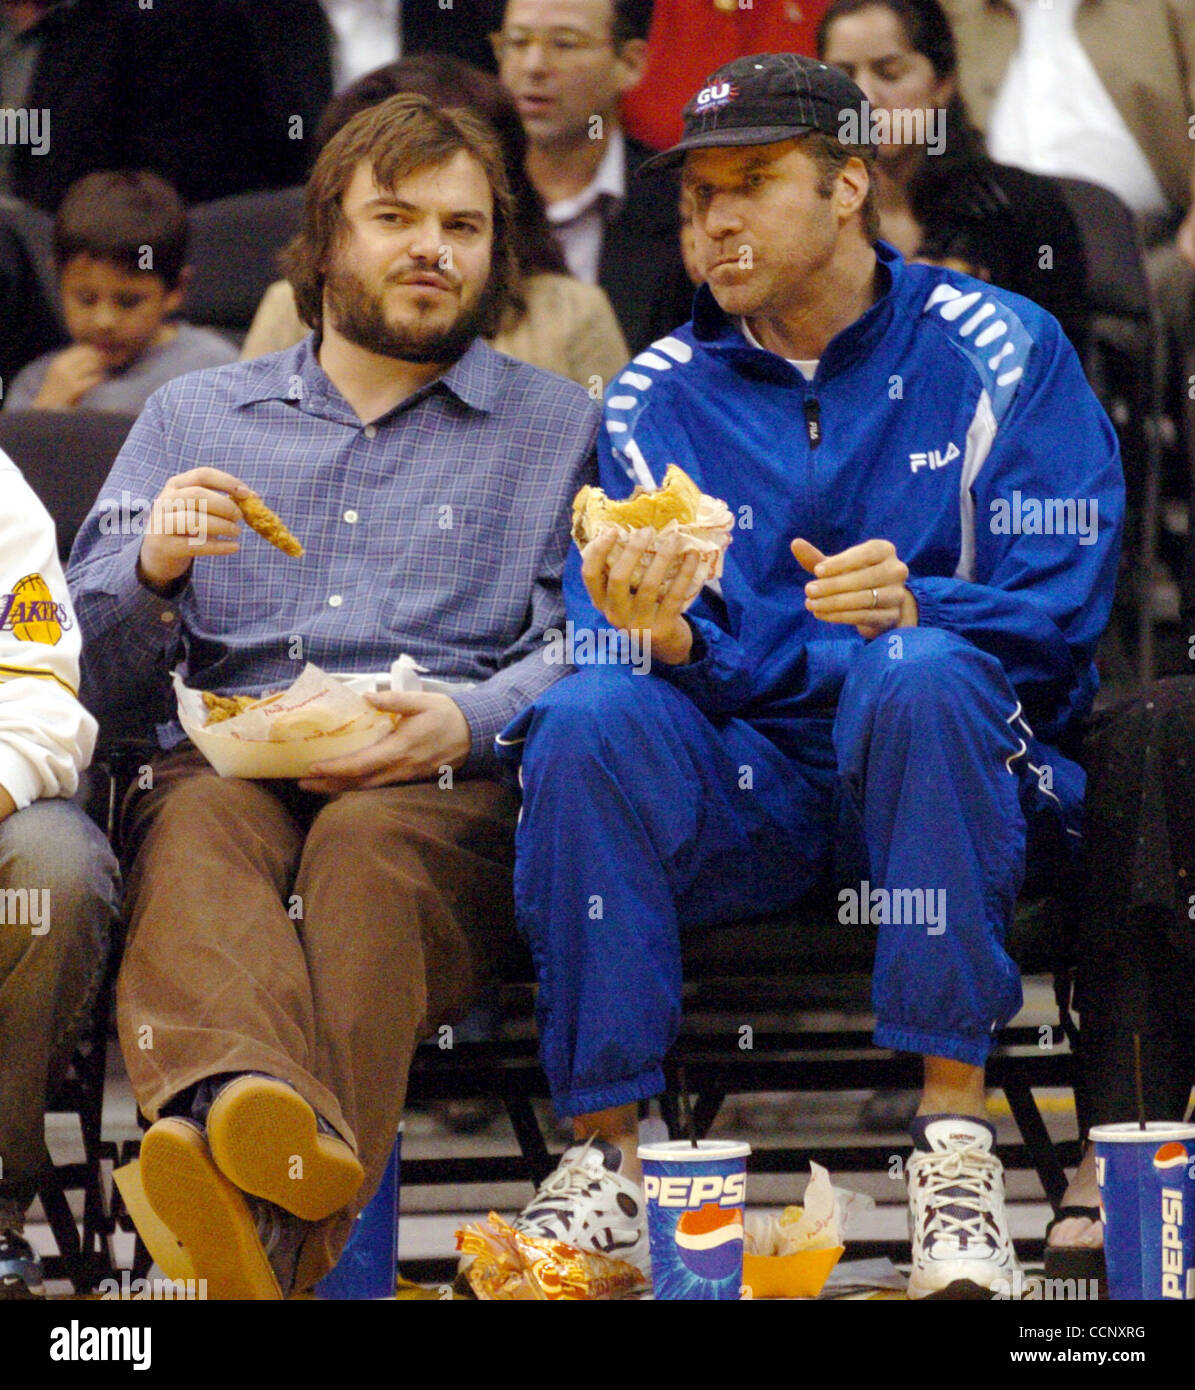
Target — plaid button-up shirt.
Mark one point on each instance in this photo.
(440, 530)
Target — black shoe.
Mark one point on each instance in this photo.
(20, 1268)
(1082, 1263)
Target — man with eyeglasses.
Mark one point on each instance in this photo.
(567, 63)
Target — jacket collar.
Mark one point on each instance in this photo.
(719, 333)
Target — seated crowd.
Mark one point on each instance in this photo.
(868, 344)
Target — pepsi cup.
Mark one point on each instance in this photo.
(695, 1199)
(368, 1264)
(1147, 1203)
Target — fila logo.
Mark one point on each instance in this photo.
(933, 458)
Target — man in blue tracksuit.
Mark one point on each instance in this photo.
(928, 501)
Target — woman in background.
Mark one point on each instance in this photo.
(563, 325)
(940, 197)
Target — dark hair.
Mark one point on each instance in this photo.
(117, 216)
(965, 214)
(830, 154)
(397, 137)
(632, 20)
(448, 81)
(927, 31)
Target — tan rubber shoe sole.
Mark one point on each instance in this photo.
(205, 1212)
(263, 1138)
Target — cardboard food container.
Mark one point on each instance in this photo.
(789, 1276)
(792, 1255)
(315, 719)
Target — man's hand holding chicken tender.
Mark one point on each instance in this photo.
(196, 513)
(200, 513)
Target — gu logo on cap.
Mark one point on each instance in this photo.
(719, 94)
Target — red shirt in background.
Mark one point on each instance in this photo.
(689, 39)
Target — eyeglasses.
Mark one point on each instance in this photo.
(561, 46)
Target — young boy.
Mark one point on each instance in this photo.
(58, 879)
(120, 243)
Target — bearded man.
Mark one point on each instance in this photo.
(291, 942)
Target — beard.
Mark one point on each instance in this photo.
(359, 316)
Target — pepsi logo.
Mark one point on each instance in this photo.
(675, 1190)
(1172, 1155)
(709, 1241)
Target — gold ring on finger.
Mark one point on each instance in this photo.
(875, 598)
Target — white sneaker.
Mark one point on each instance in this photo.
(587, 1202)
(957, 1226)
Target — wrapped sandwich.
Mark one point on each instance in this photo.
(703, 522)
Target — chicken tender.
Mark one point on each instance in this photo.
(222, 707)
(269, 525)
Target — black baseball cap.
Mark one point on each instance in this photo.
(765, 99)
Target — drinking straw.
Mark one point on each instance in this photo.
(686, 1113)
(1137, 1080)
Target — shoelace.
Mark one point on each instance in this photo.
(570, 1181)
(972, 1173)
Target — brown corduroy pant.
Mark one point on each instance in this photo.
(314, 939)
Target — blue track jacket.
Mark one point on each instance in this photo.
(951, 418)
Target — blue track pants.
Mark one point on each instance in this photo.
(642, 817)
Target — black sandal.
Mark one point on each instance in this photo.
(1077, 1262)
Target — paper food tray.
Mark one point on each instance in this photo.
(240, 747)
